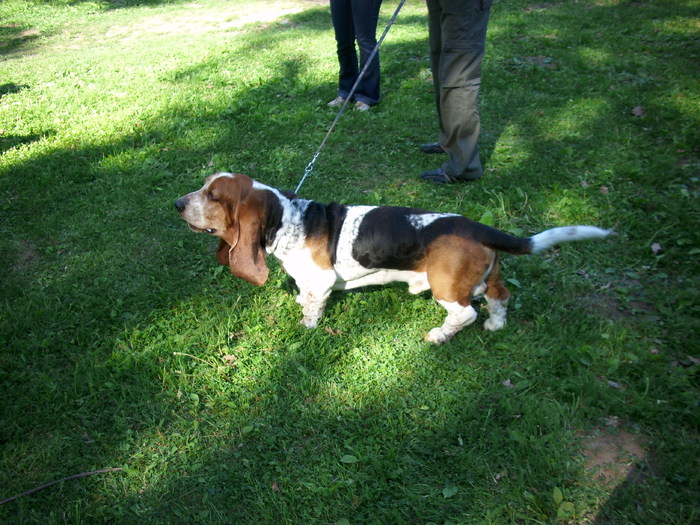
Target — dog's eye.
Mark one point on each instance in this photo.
(211, 197)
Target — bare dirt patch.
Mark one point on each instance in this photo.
(603, 305)
(613, 453)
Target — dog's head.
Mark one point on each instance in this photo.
(228, 206)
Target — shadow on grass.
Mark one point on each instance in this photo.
(98, 297)
(8, 142)
(396, 460)
(11, 87)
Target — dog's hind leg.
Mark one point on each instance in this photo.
(458, 317)
(497, 296)
(455, 267)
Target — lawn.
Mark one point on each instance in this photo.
(125, 346)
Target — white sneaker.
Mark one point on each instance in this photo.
(336, 102)
(362, 106)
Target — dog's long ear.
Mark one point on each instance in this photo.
(246, 255)
(247, 258)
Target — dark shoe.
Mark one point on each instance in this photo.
(439, 176)
(432, 149)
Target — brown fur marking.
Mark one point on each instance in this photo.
(495, 289)
(455, 265)
(319, 251)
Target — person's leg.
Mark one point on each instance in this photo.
(365, 15)
(341, 15)
(463, 26)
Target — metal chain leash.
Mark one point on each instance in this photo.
(310, 166)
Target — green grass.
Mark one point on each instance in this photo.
(124, 344)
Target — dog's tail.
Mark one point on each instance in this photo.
(549, 238)
(502, 241)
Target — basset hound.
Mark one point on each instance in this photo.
(326, 247)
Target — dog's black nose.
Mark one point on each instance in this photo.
(181, 204)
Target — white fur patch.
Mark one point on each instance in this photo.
(421, 220)
(458, 317)
(549, 238)
(497, 314)
(417, 281)
(347, 268)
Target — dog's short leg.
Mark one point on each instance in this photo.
(313, 302)
(458, 317)
(313, 296)
(497, 313)
(497, 297)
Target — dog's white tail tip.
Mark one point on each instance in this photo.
(553, 236)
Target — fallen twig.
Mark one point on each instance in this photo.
(74, 476)
(195, 357)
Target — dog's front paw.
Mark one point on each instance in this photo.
(436, 336)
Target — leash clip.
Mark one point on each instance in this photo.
(308, 170)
